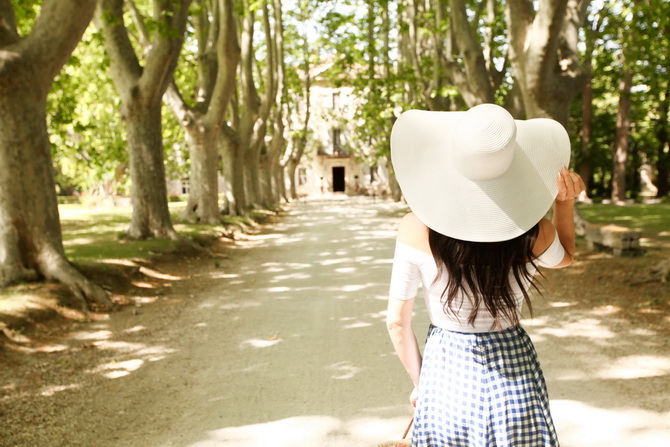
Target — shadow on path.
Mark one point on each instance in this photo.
(284, 344)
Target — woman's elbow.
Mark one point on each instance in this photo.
(399, 315)
(567, 260)
(394, 324)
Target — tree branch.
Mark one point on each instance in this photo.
(228, 56)
(145, 39)
(164, 50)
(175, 101)
(50, 46)
(207, 32)
(543, 46)
(8, 34)
(520, 15)
(271, 66)
(476, 73)
(125, 67)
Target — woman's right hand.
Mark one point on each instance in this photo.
(413, 396)
(570, 185)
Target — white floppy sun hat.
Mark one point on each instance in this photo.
(478, 175)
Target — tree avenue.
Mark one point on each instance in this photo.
(224, 93)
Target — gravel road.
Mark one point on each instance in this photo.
(283, 343)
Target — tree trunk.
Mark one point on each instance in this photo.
(585, 167)
(291, 170)
(141, 89)
(621, 138)
(30, 234)
(662, 135)
(278, 142)
(410, 45)
(275, 152)
(233, 168)
(151, 215)
(396, 193)
(474, 81)
(203, 198)
(585, 164)
(544, 55)
(251, 174)
(267, 197)
(276, 188)
(250, 110)
(218, 58)
(280, 181)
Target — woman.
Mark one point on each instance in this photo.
(478, 184)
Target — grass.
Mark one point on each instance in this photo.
(652, 219)
(91, 233)
(94, 233)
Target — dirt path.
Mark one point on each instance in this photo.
(283, 344)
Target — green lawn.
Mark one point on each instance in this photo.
(652, 219)
(92, 233)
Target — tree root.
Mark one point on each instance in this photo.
(91, 296)
(157, 233)
(14, 274)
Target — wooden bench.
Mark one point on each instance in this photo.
(618, 240)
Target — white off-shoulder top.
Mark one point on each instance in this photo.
(412, 267)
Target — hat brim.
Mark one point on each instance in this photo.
(476, 210)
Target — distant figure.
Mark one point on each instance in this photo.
(478, 184)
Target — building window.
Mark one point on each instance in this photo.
(337, 141)
(302, 176)
(336, 100)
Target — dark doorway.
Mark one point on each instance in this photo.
(338, 179)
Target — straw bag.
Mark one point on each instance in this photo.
(404, 442)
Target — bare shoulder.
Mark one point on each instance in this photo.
(411, 224)
(413, 232)
(545, 237)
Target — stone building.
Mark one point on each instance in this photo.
(331, 163)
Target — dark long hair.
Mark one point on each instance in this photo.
(481, 271)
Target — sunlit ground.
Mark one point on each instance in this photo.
(288, 348)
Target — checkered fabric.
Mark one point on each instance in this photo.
(482, 390)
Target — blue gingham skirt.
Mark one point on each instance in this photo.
(482, 390)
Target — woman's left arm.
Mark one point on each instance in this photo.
(399, 325)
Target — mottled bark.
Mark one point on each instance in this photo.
(275, 180)
(298, 145)
(233, 171)
(663, 137)
(544, 55)
(585, 167)
(151, 215)
(141, 88)
(250, 107)
(219, 55)
(203, 199)
(621, 138)
(585, 163)
(473, 80)
(30, 234)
